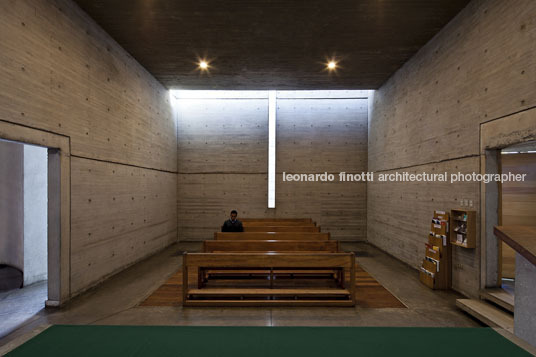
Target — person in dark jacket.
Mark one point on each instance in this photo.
(233, 224)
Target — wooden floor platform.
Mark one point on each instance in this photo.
(369, 293)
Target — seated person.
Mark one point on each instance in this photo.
(233, 224)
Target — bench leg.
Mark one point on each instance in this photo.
(184, 281)
(341, 278)
(352, 281)
(200, 277)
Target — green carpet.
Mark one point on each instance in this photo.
(67, 340)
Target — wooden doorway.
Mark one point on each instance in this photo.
(496, 135)
(518, 199)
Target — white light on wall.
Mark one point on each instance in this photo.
(271, 147)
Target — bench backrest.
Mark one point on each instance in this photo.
(270, 245)
(271, 236)
(281, 229)
(306, 220)
(270, 260)
(277, 223)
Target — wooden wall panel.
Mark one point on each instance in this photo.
(120, 214)
(519, 198)
(61, 73)
(479, 67)
(518, 201)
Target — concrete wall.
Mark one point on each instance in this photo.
(427, 118)
(525, 304)
(326, 132)
(222, 162)
(63, 74)
(35, 214)
(223, 159)
(11, 204)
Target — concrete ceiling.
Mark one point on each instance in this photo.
(272, 44)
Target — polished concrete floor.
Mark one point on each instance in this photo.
(115, 302)
(18, 306)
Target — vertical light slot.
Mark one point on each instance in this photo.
(271, 147)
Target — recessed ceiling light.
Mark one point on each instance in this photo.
(332, 65)
(203, 64)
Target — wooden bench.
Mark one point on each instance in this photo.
(263, 246)
(281, 229)
(210, 246)
(271, 236)
(278, 223)
(306, 220)
(344, 263)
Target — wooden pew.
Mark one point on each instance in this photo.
(303, 220)
(258, 246)
(281, 229)
(331, 246)
(273, 296)
(271, 236)
(278, 223)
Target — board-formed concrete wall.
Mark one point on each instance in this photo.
(62, 73)
(223, 159)
(427, 117)
(317, 135)
(11, 204)
(222, 162)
